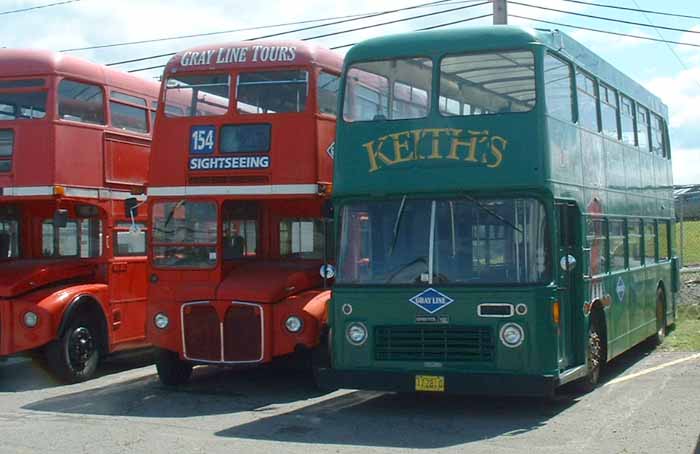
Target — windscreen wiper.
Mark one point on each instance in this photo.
(172, 212)
(491, 212)
(396, 225)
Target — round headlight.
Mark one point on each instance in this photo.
(512, 335)
(31, 319)
(161, 320)
(356, 333)
(293, 324)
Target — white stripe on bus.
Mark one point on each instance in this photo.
(274, 189)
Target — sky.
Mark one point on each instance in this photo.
(672, 72)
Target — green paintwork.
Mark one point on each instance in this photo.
(544, 157)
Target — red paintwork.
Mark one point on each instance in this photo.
(94, 165)
(298, 156)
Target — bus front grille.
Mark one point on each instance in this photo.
(243, 333)
(202, 335)
(433, 343)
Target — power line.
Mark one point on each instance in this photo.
(658, 32)
(621, 21)
(169, 54)
(603, 31)
(638, 9)
(32, 8)
(261, 27)
(446, 24)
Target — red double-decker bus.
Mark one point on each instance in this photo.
(241, 166)
(74, 145)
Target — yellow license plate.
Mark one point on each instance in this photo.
(433, 383)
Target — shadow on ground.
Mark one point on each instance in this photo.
(212, 391)
(422, 421)
(360, 418)
(24, 374)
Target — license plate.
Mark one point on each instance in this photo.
(432, 383)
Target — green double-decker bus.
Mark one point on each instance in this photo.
(503, 202)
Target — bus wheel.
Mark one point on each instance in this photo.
(74, 356)
(594, 358)
(660, 335)
(172, 371)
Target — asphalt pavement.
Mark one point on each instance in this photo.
(649, 403)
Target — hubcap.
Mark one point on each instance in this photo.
(81, 347)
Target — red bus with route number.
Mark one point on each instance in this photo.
(74, 146)
(241, 168)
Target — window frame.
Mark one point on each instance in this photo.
(437, 83)
(595, 95)
(57, 102)
(572, 86)
(123, 226)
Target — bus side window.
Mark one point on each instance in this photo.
(664, 252)
(328, 93)
(650, 254)
(616, 233)
(557, 81)
(587, 101)
(81, 102)
(634, 241)
(608, 111)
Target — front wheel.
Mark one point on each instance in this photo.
(172, 371)
(74, 356)
(594, 359)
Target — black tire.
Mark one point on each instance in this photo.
(660, 335)
(75, 355)
(172, 371)
(594, 357)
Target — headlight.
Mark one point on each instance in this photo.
(356, 333)
(31, 319)
(161, 320)
(512, 335)
(293, 324)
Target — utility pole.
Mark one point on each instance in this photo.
(500, 12)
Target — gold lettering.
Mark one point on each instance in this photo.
(399, 146)
(417, 136)
(435, 142)
(375, 154)
(496, 151)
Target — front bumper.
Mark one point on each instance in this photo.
(468, 384)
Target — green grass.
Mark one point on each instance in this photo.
(691, 249)
(686, 336)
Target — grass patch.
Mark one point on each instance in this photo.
(686, 336)
(691, 242)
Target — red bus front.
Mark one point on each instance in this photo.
(240, 171)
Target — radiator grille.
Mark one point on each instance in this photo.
(433, 343)
(202, 332)
(243, 333)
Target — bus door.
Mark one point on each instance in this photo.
(568, 278)
(128, 282)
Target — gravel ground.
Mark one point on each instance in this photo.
(690, 288)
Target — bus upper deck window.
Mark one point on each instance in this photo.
(388, 90)
(197, 95)
(487, 83)
(269, 92)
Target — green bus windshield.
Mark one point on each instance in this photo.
(441, 241)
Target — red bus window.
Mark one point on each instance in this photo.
(328, 85)
(81, 102)
(184, 234)
(302, 238)
(197, 95)
(241, 230)
(269, 92)
(25, 104)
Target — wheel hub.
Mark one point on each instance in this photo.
(81, 347)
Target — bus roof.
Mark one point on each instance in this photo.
(33, 62)
(439, 42)
(253, 54)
